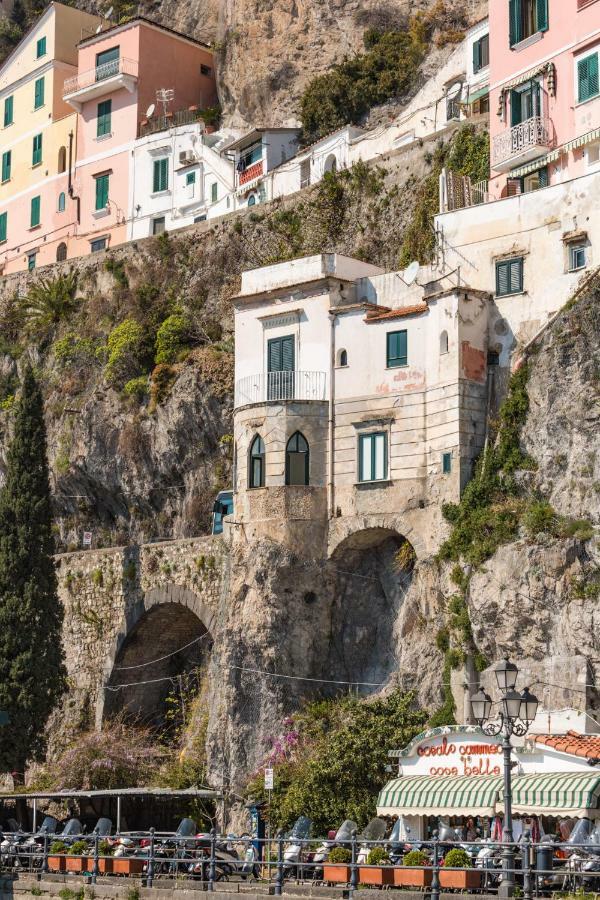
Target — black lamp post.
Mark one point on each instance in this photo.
(516, 713)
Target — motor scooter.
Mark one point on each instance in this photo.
(373, 834)
(340, 838)
(294, 854)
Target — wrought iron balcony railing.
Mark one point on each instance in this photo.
(280, 386)
(523, 142)
(121, 66)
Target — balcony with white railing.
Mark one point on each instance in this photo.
(279, 387)
(110, 76)
(525, 142)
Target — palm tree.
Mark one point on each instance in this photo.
(50, 300)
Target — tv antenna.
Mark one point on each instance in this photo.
(150, 110)
(99, 28)
(165, 96)
(109, 13)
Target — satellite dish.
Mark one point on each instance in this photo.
(99, 28)
(454, 91)
(150, 110)
(409, 276)
(110, 12)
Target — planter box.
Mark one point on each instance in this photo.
(77, 864)
(339, 872)
(127, 865)
(56, 863)
(466, 879)
(105, 865)
(378, 875)
(405, 877)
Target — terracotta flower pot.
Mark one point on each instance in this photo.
(127, 865)
(105, 865)
(465, 879)
(56, 863)
(378, 875)
(405, 877)
(336, 872)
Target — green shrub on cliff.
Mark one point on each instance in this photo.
(127, 347)
(171, 338)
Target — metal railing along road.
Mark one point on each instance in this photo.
(278, 386)
(121, 66)
(533, 132)
(210, 858)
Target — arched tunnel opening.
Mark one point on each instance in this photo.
(374, 570)
(159, 664)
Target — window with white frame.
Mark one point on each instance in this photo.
(587, 77)
(592, 154)
(577, 257)
(372, 456)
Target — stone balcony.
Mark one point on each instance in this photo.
(279, 387)
(524, 143)
(104, 79)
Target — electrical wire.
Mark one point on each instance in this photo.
(166, 656)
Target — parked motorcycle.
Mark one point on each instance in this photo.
(369, 837)
(294, 854)
(341, 838)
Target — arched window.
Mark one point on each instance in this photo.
(256, 473)
(342, 359)
(297, 460)
(252, 200)
(61, 252)
(61, 201)
(330, 163)
(444, 342)
(62, 159)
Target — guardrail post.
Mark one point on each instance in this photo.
(526, 863)
(212, 872)
(353, 865)
(45, 857)
(435, 873)
(150, 872)
(95, 866)
(279, 875)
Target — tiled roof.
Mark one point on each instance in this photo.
(585, 745)
(397, 313)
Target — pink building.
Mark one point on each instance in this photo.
(545, 92)
(119, 74)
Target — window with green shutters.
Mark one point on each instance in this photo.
(397, 349)
(481, 53)
(214, 192)
(446, 463)
(190, 178)
(103, 121)
(372, 456)
(3, 221)
(526, 17)
(41, 47)
(35, 212)
(160, 180)
(102, 182)
(36, 156)
(6, 165)
(8, 111)
(509, 276)
(38, 93)
(588, 84)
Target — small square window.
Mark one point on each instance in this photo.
(190, 178)
(199, 219)
(31, 261)
(576, 257)
(509, 277)
(158, 225)
(98, 245)
(205, 70)
(446, 463)
(593, 154)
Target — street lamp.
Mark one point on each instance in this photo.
(515, 715)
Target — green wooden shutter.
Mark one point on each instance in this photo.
(8, 111)
(36, 155)
(6, 165)
(35, 211)
(161, 175)
(104, 117)
(502, 278)
(476, 56)
(3, 218)
(101, 191)
(516, 276)
(287, 354)
(587, 77)
(544, 177)
(274, 356)
(41, 47)
(515, 108)
(514, 13)
(39, 93)
(542, 15)
(280, 354)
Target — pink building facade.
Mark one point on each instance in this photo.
(545, 92)
(119, 74)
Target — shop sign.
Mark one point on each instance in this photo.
(443, 756)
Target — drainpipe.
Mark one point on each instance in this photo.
(70, 179)
(331, 421)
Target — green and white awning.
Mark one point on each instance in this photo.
(426, 795)
(550, 793)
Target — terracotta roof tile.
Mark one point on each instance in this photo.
(585, 745)
(398, 313)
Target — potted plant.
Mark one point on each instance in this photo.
(128, 865)
(77, 858)
(419, 876)
(56, 856)
(105, 852)
(337, 867)
(457, 871)
(382, 871)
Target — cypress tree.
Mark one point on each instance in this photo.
(32, 674)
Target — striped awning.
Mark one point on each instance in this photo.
(477, 95)
(426, 795)
(549, 793)
(538, 164)
(588, 138)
